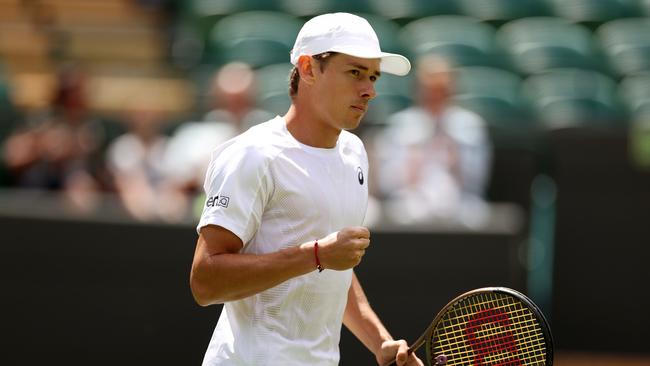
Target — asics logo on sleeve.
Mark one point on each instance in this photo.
(219, 201)
(360, 175)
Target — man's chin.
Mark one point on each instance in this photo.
(353, 123)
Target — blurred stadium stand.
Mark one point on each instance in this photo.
(624, 43)
(537, 44)
(308, 8)
(593, 13)
(463, 40)
(562, 98)
(408, 10)
(634, 91)
(121, 44)
(495, 95)
(564, 86)
(498, 12)
(273, 89)
(257, 38)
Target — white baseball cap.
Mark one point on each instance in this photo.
(349, 34)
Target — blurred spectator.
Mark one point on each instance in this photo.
(232, 94)
(59, 149)
(232, 110)
(434, 159)
(135, 161)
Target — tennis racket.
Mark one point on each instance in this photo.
(488, 326)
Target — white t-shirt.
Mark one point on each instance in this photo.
(274, 192)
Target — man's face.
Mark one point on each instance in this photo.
(344, 88)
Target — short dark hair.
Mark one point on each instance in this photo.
(294, 76)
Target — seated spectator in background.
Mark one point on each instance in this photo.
(434, 158)
(60, 148)
(233, 110)
(232, 95)
(135, 161)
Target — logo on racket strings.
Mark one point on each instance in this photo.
(498, 341)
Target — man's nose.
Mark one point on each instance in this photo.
(368, 90)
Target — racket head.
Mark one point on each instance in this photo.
(490, 326)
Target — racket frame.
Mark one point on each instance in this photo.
(426, 337)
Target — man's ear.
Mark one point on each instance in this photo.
(306, 66)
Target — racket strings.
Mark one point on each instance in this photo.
(491, 343)
(534, 354)
(529, 324)
(491, 329)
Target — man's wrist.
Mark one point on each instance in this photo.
(319, 267)
(310, 251)
(379, 351)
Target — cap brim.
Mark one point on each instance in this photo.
(391, 63)
(394, 64)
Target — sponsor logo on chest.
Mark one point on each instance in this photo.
(360, 175)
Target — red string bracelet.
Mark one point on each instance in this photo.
(318, 266)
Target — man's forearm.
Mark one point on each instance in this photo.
(362, 321)
(226, 277)
(220, 273)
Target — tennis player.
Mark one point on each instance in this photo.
(281, 228)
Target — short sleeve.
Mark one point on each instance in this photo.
(237, 188)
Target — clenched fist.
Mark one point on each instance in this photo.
(343, 249)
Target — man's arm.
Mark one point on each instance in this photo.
(362, 321)
(220, 273)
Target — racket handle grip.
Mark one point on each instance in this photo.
(394, 362)
(440, 360)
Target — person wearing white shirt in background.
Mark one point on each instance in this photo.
(281, 229)
(232, 110)
(135, 161)
(434, 158)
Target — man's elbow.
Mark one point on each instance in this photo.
(200, 292)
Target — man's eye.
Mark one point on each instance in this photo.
(373, 78)
(355, 72)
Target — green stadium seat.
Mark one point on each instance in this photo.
(187, 46)
(464, 41)
(310, 8)
(626, 44)
(634, 91)
(255, 52)
(592, 12)
(211, 8)
(495, 95)
(405, 11)
(536, 44)
(643, 8)
(201, 15)
(273, 87)
(258, 38)
(497, 12)
(567, 98)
